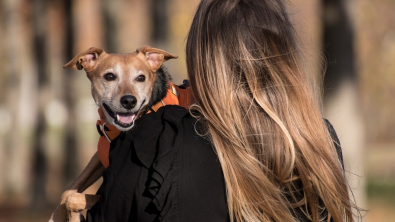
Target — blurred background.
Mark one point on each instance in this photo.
(47, 115)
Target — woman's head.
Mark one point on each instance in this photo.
(260, 113)
(237, 42)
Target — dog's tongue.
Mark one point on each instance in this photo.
(126, 118)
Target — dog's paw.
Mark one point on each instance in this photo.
(76, 202)
(60, 213)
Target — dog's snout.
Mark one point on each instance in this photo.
(129, 102)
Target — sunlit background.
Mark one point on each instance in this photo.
(47, 115)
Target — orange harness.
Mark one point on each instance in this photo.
(175, 96)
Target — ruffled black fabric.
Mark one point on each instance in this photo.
(162, 182)
(154, 143)
(151, 147)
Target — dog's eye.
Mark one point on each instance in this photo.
(141, 78)
(109, 76)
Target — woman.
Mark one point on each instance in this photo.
(255, 146)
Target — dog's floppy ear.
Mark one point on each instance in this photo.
(155, 57)
(85, 60)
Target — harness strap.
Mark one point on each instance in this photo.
(107, 134)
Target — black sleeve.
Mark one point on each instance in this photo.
(336, 141)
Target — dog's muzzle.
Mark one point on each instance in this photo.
(124, 120)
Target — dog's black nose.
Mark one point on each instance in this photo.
(129, 102)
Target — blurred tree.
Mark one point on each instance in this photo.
(160, 26)
(341, 97)
(55, 110)
(70, 144)
(110, 14)
(338, 39)
(39, 19)
(21, 99)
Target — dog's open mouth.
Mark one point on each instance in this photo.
(122, 119)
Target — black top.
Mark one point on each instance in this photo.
(162, 170)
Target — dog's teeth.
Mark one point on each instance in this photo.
(118, 117)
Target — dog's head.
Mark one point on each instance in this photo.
(123, 85)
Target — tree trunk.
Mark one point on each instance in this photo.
(39, 157)
(342, 104)
(70, 147)
(21, 99)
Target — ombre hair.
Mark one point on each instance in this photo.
(277, 156)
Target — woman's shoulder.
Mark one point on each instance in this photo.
(186, 132)
(156, 134)
(186, 161)
(200, 182)
(181, 122)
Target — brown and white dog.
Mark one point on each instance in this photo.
(124, 87)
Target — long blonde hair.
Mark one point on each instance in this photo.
(275, 151)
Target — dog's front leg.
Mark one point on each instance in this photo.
(77, 202)
(60, 214)
(92, 172)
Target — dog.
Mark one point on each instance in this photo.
(124, 87)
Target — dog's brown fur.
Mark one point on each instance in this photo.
(114, 76)
(126, 69)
